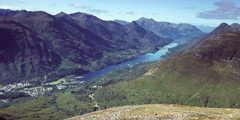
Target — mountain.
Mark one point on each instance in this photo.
(121, 22)
(23, 53)
(7, 13)
(159, 112)
(205, 76)
(166, 29)
(69, 44)
(118, 34)
(191, 45)
(206, 29)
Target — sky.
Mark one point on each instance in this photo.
(197, 12)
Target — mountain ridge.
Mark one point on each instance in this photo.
(104, 43)
(171, 30)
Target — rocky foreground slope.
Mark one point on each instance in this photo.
(161, 111)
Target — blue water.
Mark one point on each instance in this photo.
(148, 57)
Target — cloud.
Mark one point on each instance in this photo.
(12, 8)
(8, 7)
(226, 10)
(89, 8)
(81, 6)
(98, 11)
(130, 13)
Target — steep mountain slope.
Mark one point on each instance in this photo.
(175, 31)
(206, 76)
(22, 53)
(159, 112)
(66, 37)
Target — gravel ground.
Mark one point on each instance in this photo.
(161, 112)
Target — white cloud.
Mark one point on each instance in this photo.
(81, 6)
(8, 7)
(12, 8)
(89, 8)
(130, 13)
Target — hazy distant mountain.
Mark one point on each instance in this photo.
(166, 29)
(121, 22)
(206, 29)
(65, 44)
(221, 28)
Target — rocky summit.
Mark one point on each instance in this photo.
(161, 112)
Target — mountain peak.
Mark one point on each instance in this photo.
(79, 15)
(222, 27)
(223, 24)
(145, 19)
(61, 14)
(235, 26)
(27, 14)
(134, 23)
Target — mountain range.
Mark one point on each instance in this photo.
(166, 29)
(64, 44)
(176, 31)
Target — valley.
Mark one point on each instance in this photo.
(146, 60)
(72, 81)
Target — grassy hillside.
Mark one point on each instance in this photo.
(207, 76)
(161, 111)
